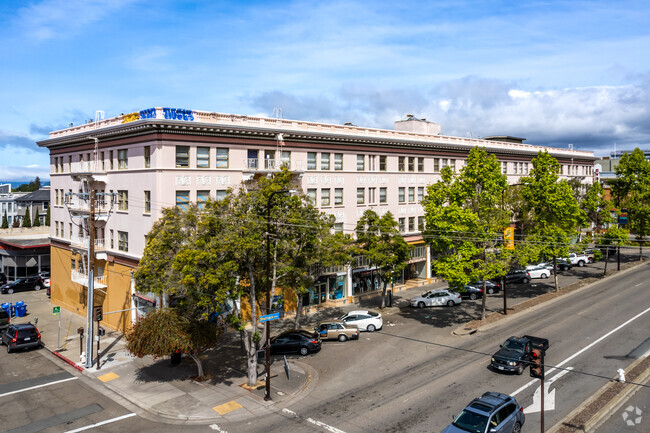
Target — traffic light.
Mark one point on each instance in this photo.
(537, 363)
(99, 313)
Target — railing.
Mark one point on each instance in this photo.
(74, 202)
(271, 164)
(81, 278)
(87, 167)
(82, 241)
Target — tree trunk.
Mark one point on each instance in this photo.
(296, 321)
(249, 336)
(484, 299)
(606, 259)
(555, 273)
(383, 292)
(199, 364)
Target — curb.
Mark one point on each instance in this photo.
(66, 360)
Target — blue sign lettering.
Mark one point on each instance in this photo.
(178, 114)
(149, 113)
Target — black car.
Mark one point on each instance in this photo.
(5, 319)
(21, 284)
(518, 276)
(300, 341)
(471, 292)
(490, 286)
(23, 336)
(563, 265)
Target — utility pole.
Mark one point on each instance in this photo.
(90, 304)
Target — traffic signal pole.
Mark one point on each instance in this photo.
(542, 411)
(90, 302)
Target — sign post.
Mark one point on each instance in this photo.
(57, 312)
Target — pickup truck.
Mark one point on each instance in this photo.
(337, 331)
(580, 259)
(515, 353)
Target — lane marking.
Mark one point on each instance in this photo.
(37, 386)
(582, 350)
(108, 421)
(638, 285)
(549, 396)
(315, 422)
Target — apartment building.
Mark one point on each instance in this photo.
(139, 163)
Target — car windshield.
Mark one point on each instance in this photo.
(514, 345)
(471, 422)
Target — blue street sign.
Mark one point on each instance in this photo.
(268, 317)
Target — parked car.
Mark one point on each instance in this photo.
(539, 273)
(493, 412)
(436, 297)
(5, 319)
(365, 320)
(518, 276)
(579, 259)
(25, 283)
(490, 286)
(337, 331)
(296, 341)
(563, 265)
(471, 292)
(24, 336)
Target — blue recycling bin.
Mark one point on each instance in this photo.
(20, 304)
(21, 310)
(6, 306)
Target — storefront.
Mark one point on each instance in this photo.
(328, 287)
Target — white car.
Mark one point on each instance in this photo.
(538, 272)
(363, 319)
(436, 297)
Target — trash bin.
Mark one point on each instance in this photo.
(176, 358)
(20, 303)
(21, 310)
(7, 307)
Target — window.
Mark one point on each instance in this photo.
(411, 163)
(183, 199)
(311, 160)
(436, 165)
(400, 163)
(420, 194)
(383, 195)
(338, 161)
(361, 195)
(411, 224)
(182, 156)
(70, 231)
(110, 158)
(444, 162)
(371, 195)
(361, 159)
(372, 162)
(202, 198)
(122, 159)
(325, 197)
(147, 202)
(147, 156)
(286, 158)
(402, 225)
(504, 167)
(123, 241)
(222, 158)
(411, 194)
(101, 157)
(338, 228)
(401, 196)
(338, 196)
(420, 223)
(324, 161)
(221, 194)
(420, 164)
(203, 157)
(112, 239)
(382, 162)
(452, 164)
(122, 200)
(56, 224)
(311, 193)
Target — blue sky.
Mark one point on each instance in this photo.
(555, 72)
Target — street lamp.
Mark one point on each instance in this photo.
(267, 393)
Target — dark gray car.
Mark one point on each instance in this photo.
(23, 336)
(493, 412)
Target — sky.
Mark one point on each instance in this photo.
(558, 73)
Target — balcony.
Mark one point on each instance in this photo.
(81, 278)
(88, 169)
(269, 165)
(81, 242)
(80, 205)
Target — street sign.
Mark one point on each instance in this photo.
(56, 310)
(266, 318)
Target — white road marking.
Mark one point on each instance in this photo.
(315, 422)
(216, 427)
(582, 350)
(37, 386)
(549, 396)
(108, 421)
(638, 285)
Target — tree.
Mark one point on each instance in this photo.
(613, 237)
(465, 219)
(47, 217)
(27, 220)
(37, 219)
(165, 331)
(381, 244)
(631, 191)
(596, 208)
(554, 206)
(5, 221)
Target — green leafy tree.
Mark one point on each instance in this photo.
(37, 219)
(5, 221)
(631, 191)
(166, 331)
(27, 220)
(555, 208)
(613, 239)
(596, 208)
(465, 218)
(380, 242)
(47, 217)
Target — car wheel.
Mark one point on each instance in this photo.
(342, 338)
(10, 291)
(371, 328)
(420, 304)
(304, 351)
(525, 281)
(544, 276)
(517, 428)
(490, 291)
(520, 369)
(581, 263)
(37, 287)
(450, 303)
(472, 296)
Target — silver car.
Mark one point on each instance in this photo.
(433, 298)
(493, 412)
(363, 319)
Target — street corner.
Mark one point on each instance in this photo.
(288, 380)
